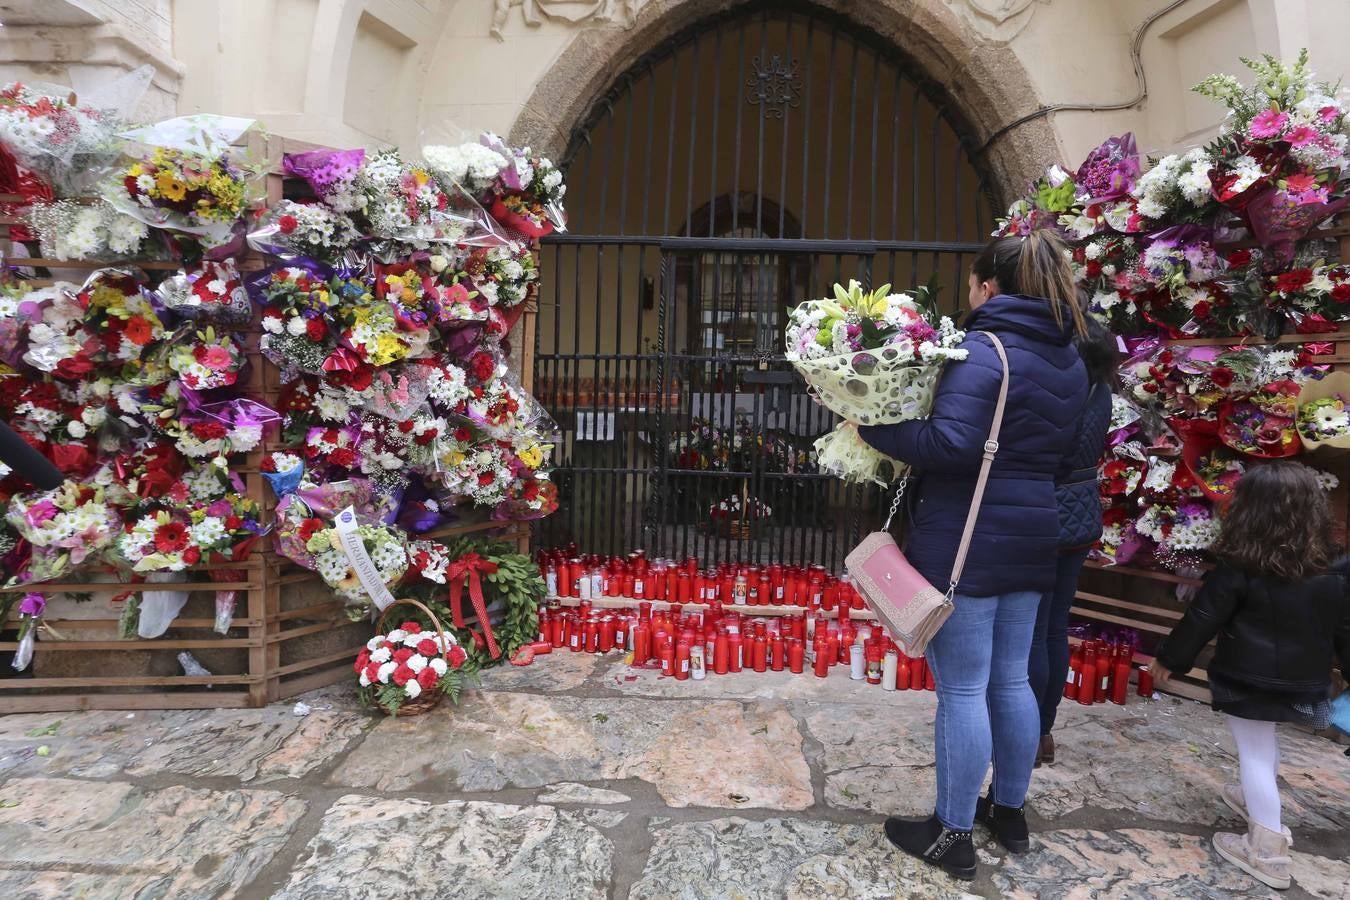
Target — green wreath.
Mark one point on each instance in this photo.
(517, 582)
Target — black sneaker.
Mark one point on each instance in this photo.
(930, 841)
(1008, 823)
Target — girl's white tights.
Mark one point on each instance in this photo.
(1258, 762)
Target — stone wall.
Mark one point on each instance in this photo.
(378, 72)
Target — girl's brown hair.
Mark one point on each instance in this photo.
(1279, 523)
(1034, 265)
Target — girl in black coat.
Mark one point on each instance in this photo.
(1277, 603)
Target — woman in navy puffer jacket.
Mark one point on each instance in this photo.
(1021, 289)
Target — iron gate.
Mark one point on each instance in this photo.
(749, 164)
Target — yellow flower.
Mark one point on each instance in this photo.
(170, 187)
(388, 348)
(455, 458)
(136, 171)
(531, 456)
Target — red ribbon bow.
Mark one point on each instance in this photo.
(468, 568)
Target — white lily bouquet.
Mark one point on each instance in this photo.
(873, 358)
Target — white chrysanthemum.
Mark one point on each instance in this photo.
(209, 532)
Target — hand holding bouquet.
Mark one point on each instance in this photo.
(873, 358)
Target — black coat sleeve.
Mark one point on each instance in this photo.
(26, 462)
(1211, 609)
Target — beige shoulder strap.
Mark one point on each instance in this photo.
(990, 448)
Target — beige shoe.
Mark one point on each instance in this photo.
(1261, 853)
(1232, 795)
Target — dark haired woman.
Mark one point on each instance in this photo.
(1277, 603)
(1022, 290)
(1080, 525)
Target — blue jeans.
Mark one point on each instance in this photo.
(986, 711)
(1049, 663)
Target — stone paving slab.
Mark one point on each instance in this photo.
(696, 753)
(1138, 863)
(67, 838)
(554, 673)
(253, 745)
(793, 858)
(372, 847)
(878, 760)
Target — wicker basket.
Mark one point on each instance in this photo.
(427, 700)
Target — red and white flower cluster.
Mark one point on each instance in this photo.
(408, 657)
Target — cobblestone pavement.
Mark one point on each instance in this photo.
(576, 777)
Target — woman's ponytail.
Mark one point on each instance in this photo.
(1043, 271)
(1034, 265)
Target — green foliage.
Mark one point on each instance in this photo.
(131, 616)
(516, 582)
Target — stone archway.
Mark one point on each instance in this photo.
(984, 84)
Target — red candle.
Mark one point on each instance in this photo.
(832, 649)
(541, 648)
(642, 643)
(1071, 679)
(816, 591)
(721, 649)
(902, 675)
(1102, 684)
(776, 587)
(822, 658)
(928, 683)
(1120, 684)
(918, 671)
(796, 651)
(576, 634)
(1145, 682)
(761, 653)
(557, 627)
(682, 662)
(734, 652)
(830, 598)
(668, 657)
(1087, 687)
(605, 641)
(778, 646)
(592, 636)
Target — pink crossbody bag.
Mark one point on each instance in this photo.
(911, 608)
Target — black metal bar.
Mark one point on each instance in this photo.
(852, 142)
(740, 107)
(783, 144)
(643, 228)
(806, 132)
(693, 139)
(759, 152)
(670, 138)
(829, 135)
(627, 147)
(716, 117)
(871, 186)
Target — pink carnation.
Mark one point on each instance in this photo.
(1268, 124)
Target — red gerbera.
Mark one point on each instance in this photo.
(309, 528)
(1293, 280)
(171, 537)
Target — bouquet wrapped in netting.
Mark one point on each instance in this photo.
(874, 359)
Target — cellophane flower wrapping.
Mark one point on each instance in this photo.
(210, 291)
(872, 358)
(71, 230)
(290, 229)
(185, 175)
(66, 526)
(315, 505)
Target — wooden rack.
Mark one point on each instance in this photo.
(1144, 599)
(290, 634)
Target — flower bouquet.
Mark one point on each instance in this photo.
(211, 290)
(308, 509)
(385, 545)
(528, 192)
(872, 358)
(1182, 533)
(1323, 412)
(117, 311)
(310, 230)
(68, 229)
(165, 541)
(296, 301)
(66, 526)
(533, 496)
(58, 138)
(1263, 424)
(1119, 541)
(188, 179)
(404, 203)
(205, 360)
(407, 670)
(283, 472)
(1215, 467)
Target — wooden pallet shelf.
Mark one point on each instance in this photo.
(290, 634)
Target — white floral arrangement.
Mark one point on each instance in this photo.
(873, 358)
(68, 229)
(384, 544)
(473, 167)
(1176, 184)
